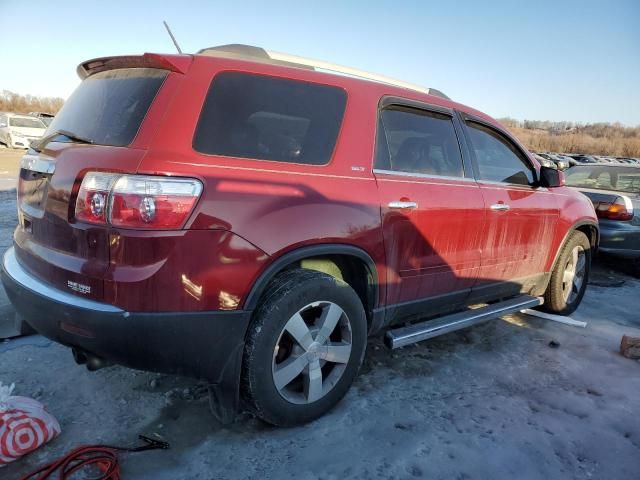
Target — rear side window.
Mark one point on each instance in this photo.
(498, 159)
(108, 107)
(598, 177)
(417, 141)
(267, 118)
(25, 122)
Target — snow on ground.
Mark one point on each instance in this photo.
(495, 401)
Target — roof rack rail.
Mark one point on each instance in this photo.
(241, 51)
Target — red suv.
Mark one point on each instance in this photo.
(249, 219)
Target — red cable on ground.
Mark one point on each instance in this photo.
(103, 457)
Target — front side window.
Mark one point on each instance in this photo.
(268, 118)
(417, 141)
(498, 159)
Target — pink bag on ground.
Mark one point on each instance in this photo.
(24, 426)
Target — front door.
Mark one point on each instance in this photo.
(521, 218)
(432, 213)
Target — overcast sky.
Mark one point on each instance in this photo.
(543, 60)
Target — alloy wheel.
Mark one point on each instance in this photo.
(312, 352)
(574, 274)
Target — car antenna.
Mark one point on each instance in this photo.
(172, 37)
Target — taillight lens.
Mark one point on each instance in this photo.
(620, 209)
(136, 201)
(93, 197)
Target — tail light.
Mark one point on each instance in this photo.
(620, 209)
(136, 201)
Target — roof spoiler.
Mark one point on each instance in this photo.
(173, 63)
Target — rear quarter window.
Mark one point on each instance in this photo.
(267, 118)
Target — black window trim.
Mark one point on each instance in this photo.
(467, 117)
(281, 77)
(388, 101)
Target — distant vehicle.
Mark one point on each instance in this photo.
(627, 160)
(580, 158)
(46, 118)
(557, 158)
(17, 131)
(614, 190)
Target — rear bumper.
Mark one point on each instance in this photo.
(205, 345)
(621, 239)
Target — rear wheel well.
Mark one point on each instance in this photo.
(351, 270)
(350, 264)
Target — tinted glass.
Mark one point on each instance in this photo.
(416, 141)
(266, 118)
(620, 179)
(25, 122)
(498, 159)
(108, 107)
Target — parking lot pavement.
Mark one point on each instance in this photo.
(495, 401)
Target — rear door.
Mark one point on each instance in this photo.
(432, 210)
(521, 217)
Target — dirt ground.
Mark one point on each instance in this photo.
(495, 401)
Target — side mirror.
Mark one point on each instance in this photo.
(551, 177)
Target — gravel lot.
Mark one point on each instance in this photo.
(495, 401)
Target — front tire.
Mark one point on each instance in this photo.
(569, 277)
(304, 347)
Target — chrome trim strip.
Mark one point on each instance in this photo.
(509, 185)
(18, 274)
(423, 175)
(264, 170)
(37, 164)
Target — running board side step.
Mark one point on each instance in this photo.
(400, 337)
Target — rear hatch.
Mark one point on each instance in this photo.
(104, 129)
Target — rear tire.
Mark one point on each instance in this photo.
(569, 277)
(304, 347)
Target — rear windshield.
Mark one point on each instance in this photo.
(25, 122)
(603, 177)
(108, 107)
(266, 118)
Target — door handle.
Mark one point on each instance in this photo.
(403, 205)
(500, 207)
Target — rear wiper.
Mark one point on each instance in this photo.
(65, 133)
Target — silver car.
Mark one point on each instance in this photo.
(18, 131)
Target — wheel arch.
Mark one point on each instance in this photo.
(355, 266)
(589, 228)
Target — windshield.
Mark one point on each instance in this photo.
(108, 107)
(604, 177)
(25, 122)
